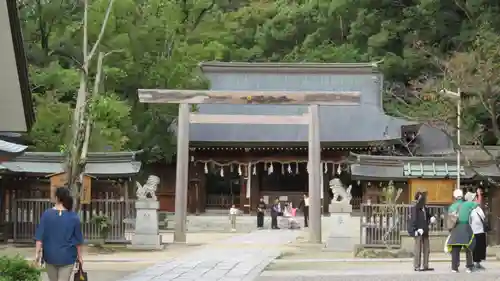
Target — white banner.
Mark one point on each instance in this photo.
(249, 180)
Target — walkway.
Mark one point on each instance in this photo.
(240, 258)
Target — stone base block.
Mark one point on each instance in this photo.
(339, 208)
(144, 241)
(344, 233)
(436, 241)
(146, 247)
(147, 204)
(341, 244)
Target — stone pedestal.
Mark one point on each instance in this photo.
(345, 231)
(146, 236)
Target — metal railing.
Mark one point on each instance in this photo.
(383, 224)
(356, 203)
(27, 214)
(222, 201)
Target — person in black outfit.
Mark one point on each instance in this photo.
(304, 206)
(419, 229)
(275, 212)
(261, 208)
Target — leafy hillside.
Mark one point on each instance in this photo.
(157, 44)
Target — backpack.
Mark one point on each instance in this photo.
(452, 219)
(486, 225)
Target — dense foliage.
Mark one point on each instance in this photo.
(158, 44)
(17, 268)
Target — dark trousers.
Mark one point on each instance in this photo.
(306, 216)
(455, 257)
(260, 219)
(274, 221)
(479, 253)
(421, 251)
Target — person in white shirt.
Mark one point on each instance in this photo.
(233, 212)
(477, 223)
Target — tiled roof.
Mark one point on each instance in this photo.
(98, 164)
(9, 147)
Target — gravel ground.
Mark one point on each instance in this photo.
(385, 271)
(101, 275)
(107, 271)
(436, 277)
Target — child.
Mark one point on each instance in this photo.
(233, 212)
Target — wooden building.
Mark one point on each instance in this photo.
(240, 163)
(30, 173)
(435, 174)
(26, 183)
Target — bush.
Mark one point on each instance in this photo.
(17, 269)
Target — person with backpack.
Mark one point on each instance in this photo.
(461, 234)
(479, 227)
(420, 219)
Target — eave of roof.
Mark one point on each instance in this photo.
(21, 61)
(119, 164)
(93, 157)
(9, 147)
(262, 67)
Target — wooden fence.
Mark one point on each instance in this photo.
(27, 212)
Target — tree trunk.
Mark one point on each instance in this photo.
(82, 119)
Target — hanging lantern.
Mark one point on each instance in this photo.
(339, 170)
(254, 172)
(206, 168)
(271, 169)
(282, 169)
(359, 182)
(289, 168)
(239, 170)
(222, 171)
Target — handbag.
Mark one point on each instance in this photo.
(447, 249)
(80, 275)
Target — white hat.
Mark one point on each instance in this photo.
(458, 193)
(470, 196)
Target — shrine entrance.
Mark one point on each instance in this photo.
(222, 190)
(312, 99)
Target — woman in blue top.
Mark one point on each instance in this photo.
(59, 236)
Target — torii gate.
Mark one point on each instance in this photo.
(311, 98)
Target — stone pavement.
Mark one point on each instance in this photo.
(239, 258)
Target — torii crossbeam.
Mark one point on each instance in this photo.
(311, 98)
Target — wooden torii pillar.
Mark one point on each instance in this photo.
(311, 98)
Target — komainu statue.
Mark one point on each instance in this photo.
(149, 188)
(338, 190)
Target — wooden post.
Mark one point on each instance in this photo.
(181, 178)
(314, 176)
(185, 97)
(126, 199)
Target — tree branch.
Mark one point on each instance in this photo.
(103, 29)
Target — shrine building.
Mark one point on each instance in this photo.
(220, 154)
